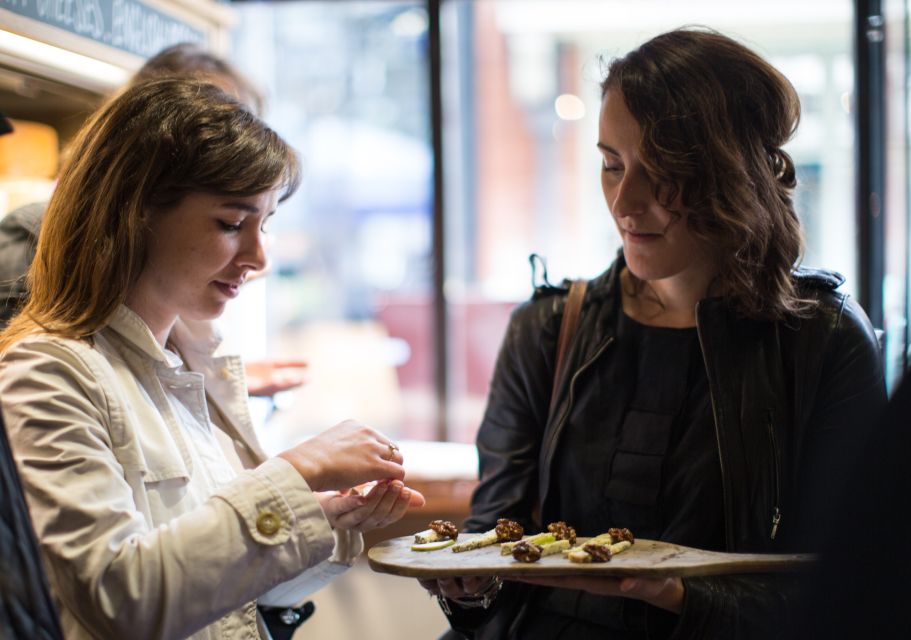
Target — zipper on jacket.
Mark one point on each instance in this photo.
(572, 384)
(726, 499)
(776, 510)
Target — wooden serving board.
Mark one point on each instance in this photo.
(648, 558)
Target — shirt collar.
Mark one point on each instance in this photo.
(198, 337)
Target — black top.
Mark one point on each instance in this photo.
(791, 404)
(650, 464)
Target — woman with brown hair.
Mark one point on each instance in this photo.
(158, 514)
(19, 229)
(713, 393)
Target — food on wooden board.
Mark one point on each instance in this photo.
(539, 538)
(559, 538)
(433, 546)
(505, 531)
(603, 547)
(562, 531)
(529, 552)
(439, 530)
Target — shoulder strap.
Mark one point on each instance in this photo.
(571, 314)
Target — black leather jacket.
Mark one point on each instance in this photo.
(26, 608)
(791, 401)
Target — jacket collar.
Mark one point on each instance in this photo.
(198, 344)
(600, 311)
(135, 332)
(190, 337)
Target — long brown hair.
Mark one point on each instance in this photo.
(140, 153)
(714, 117)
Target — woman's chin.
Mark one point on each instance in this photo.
(207, 314)
(642, 270)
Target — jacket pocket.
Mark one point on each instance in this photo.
(158, 456)
(635, 471)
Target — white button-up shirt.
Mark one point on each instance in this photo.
(149, 525)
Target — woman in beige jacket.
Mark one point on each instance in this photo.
(158, 514)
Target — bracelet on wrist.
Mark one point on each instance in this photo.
(483, 599)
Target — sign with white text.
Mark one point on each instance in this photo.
(128, 25)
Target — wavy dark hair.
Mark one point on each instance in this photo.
(138, 155)
(714, 117)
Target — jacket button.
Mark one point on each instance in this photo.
(225, 373)
(267, 523)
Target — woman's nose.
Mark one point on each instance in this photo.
(632, 196)
(253, 251)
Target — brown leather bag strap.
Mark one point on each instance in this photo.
(572, 311)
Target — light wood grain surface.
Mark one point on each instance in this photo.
(646, 558)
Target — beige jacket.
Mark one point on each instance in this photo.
(103, 463)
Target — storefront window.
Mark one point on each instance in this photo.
(522, 93)
(898, 179)
(348, 291)
(351, 287)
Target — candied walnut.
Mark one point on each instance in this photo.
(445, 529)
(621, 534)
(526, 552)
(508, 530)
(598, 552)
(562, 531)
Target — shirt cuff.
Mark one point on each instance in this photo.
(348, 546)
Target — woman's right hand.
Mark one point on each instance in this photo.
(385, 503)
(348, 454)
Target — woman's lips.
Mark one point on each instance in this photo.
(230, 290)
(641, 237)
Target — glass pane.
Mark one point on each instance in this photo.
(898, 178)
(521, 103)
(350, 284)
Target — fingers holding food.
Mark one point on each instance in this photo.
(346, 455)
(335, 504)
(386, 503)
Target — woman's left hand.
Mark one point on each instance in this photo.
(664, 593)
(385, 503)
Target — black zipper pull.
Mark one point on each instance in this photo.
(776, 518)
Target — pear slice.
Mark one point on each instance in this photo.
(433, 546)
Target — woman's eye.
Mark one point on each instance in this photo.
(611, 168)
(229, 226)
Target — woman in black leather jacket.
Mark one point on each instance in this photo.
(713, 394)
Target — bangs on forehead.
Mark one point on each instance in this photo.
(232, 152)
